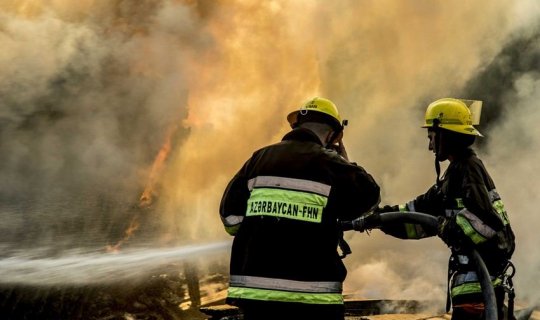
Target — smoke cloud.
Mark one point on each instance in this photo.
(89, 93)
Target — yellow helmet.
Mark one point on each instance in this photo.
(316, 104)
(451, 114)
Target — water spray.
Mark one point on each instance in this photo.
(99, 267)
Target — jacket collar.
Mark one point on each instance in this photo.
(302, 134)
(463, 154)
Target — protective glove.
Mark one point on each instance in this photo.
(367, 222)
(386, 208)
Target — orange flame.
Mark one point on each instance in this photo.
(147, 196)
(133, 226)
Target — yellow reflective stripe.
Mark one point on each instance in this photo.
(414, 231)
(411, 231)
(288, 204)
(459, 203)
(473, 227)
(469, 230)
(285, 296)
(499, 207)
(232, 223)
(497, 203)
(232, 230)
(471, 287)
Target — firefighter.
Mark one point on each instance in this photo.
(283, 208)
(468, 206)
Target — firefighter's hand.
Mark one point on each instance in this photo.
(340, 147)
(367, 222)
(386, 208)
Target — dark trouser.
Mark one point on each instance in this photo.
(266, 310)
(459, 313)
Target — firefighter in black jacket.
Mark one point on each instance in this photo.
(470, 210)
(283, 208)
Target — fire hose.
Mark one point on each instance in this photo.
(431, 222)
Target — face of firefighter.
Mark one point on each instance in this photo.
(437, 145)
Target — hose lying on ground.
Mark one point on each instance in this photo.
(431, 222)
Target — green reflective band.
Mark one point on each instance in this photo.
(288, 204)
(469, 230)
(410, 228)
(285, 296)
(499, 207)
(471, 287)
(411, 231)
(232, 230)
(459, 203)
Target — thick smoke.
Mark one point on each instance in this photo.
(85, 104)
(90, 91)
(510, 89)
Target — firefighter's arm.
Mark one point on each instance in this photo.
(408, 231)
(341, 150)
(477, 220)
(371, 192)
(356, 194)
(233, 205)
(428, 203)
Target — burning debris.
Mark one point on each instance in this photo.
(141, 285)
(158, 296)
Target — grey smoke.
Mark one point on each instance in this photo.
(87, 97)
(84, 108)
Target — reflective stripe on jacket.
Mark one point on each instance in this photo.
(283, 208)
(468, 283)
(268, 289)
(468, 195)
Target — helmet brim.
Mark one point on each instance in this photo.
(463, 129)
(292, 117)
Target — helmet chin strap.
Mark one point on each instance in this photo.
(436, 145)
(438, 171)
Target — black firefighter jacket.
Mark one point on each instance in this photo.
(468, 199)
(283, 207)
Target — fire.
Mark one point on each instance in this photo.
(150, 191)
(147, 196)
(133, 226)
